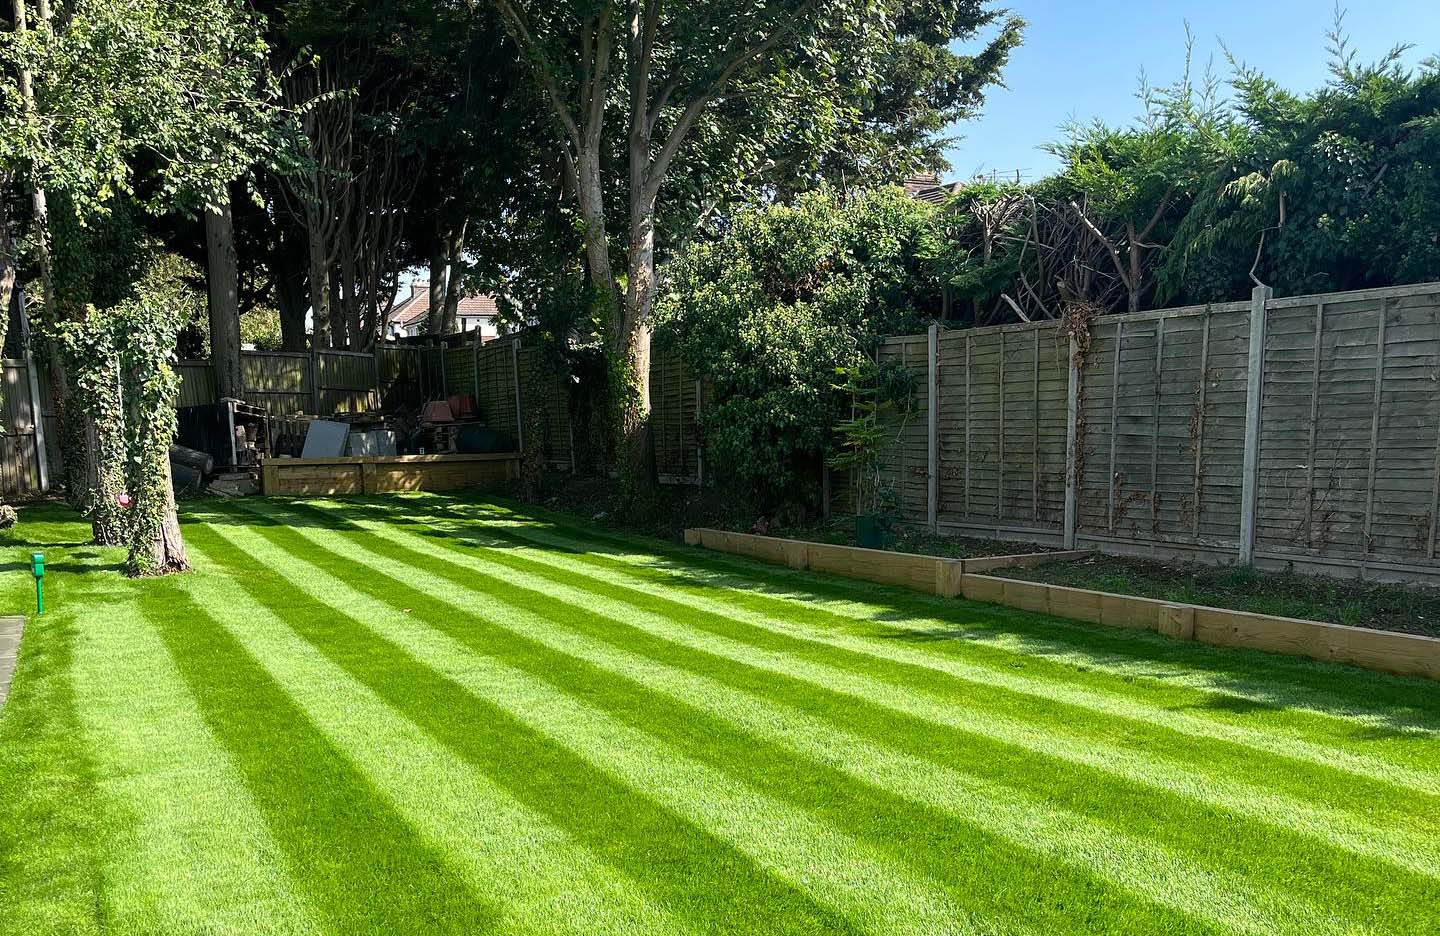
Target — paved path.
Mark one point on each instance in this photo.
(10, 629)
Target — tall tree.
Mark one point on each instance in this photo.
(665, 70)
(153, 104)
(223, 277)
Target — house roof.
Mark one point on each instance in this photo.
(415, 309)
(927, 187)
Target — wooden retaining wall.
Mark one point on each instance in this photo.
(327, 477)
(1299, 431)
(1385, 651)
(934, 574)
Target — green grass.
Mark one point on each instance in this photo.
(452, 715)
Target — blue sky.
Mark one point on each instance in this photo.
(1083, 60)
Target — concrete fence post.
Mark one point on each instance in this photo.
(932, 472)
(1254, 395)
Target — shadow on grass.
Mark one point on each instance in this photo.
(1270, 682)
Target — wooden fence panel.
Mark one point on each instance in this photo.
(674, 398)
(459, 369)
(280, 381)
(346, 382)
(553, 395)
(1348, 436)
(1407, 437)
(197, 383)
(952, 430)
(497, 398)
(1352, 427)
(400, 370)
(905, 466)
(19, 455)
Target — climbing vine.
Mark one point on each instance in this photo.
(121, 360)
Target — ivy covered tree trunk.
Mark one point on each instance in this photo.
(120, 358)
(163, 551)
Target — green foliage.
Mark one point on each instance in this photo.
(260, 329)
(160, 101)
(769, 313)
(1339, 189)
(876, 394)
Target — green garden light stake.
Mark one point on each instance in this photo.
(37, 566)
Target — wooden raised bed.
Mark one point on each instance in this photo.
(325, 477)
(933, 574)
(1385, 651)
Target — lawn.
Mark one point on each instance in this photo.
(449, 715)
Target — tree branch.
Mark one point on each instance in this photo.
(696, 106)
(518, 25)
(1114, 254)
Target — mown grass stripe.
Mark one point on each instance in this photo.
(196, 854)
(1380, 702)
(1320, 774)
(1279, 812)
(542, 881)
(872, 891)
(1116, 700)
(682, 864)
(1408, 845)
(1144, 869)
(605, 816)
(358, 863)
(1372, 782)
(54, 824)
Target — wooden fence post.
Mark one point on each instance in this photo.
(1375, 425)
(375, 372)
(699, 448)
(1072, 455)
(1254, 394)
(314, 378)
(475, 354)
(932, 473)
(519, 415)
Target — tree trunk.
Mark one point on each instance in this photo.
(1136, 258)
(292, 298)
(455, 251)
(591, 195)
(77, 455)
(349, 300)
(224, 283)
(319, 283)
(166, 552)
(439, 280)
(7, 264)
(635, 337)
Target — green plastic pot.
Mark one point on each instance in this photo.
(870, 531)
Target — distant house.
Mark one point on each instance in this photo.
(411, 316)
(927, 187)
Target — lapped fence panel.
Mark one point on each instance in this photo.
(1347, 442)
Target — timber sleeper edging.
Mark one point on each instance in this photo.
(1381, 650)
